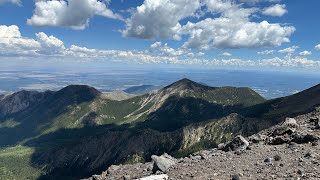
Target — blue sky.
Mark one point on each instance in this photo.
(259, 34)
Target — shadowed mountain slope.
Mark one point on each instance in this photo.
(302, 102)
(32, 113)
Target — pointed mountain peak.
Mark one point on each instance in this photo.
(185, 80)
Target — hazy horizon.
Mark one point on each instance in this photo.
(270, 84)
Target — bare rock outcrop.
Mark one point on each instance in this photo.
(291, 131)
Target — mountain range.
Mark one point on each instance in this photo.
(78, 131)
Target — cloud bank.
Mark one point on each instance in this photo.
(13, 45)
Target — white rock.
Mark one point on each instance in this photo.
(155, 177)
(290, 122)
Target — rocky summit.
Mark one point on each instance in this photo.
(288, 150)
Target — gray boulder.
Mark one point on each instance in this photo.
(289, 126)
(239, 143)
(221, 146)
(316, 122)
(279, 140)
(304, 138)
(258, 139)
(163, 162)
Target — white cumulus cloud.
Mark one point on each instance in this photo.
(227, 33)
(165, 50)
(229, 27)
(75, 14)
(266, 52)
(11, 42)
(14, 44)
(289, 50)
(49, 44)
(317, 47)
(275, 10)
(155, 45)
(305, 53)
(159, 19)
(226, 54)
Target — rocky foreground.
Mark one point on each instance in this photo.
(289, 150)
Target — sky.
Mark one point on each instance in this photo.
(241, 34)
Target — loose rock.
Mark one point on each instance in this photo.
(277, 158)
(235, 177)
(258, 138)
(288, 127)
(238, 143)
(163, 162)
